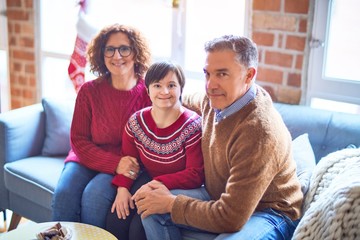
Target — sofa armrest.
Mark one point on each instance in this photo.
(22, 133)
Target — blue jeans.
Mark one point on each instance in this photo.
(160, 226)
(83, 195)
(266, 224)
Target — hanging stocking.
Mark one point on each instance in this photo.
(77, 64)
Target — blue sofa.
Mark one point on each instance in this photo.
(29, 174)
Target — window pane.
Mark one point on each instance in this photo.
(4, 91)
(3, 81)
(206, 19)
(343, 51)
(56, 82)
(58, 25)
(152, 17)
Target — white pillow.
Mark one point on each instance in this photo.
(305, 160)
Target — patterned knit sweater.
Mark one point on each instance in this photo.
(171, 155)
(100, 115)
(248, 167)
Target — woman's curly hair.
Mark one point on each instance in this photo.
(139, 45)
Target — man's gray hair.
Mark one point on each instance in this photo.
(244, 48)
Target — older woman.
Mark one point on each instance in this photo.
(119, 56)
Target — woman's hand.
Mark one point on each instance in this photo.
(122, 202)
(129, 167)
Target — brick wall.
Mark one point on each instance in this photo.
(21, 37)
(279, 27)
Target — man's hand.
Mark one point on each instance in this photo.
(157, 201)
(122, 202)
(129, 167)
(145, 188)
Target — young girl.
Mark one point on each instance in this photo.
(164, 140)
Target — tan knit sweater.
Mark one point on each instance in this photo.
(248, 167)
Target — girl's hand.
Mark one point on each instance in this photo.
(122, 202)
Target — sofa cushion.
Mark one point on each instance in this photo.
(34, 178)
(305, 160)
(331, 207)
(58, 116)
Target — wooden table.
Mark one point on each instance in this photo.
(79, 231)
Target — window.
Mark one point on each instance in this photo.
(334, 56)
(4, 91)
(173, 33)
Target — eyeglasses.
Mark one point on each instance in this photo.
(123, 50)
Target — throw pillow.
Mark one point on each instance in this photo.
(58, 117)
(305, 160)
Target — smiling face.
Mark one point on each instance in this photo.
(118, 65)
(226, 79)
(166, 92)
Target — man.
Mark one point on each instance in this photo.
(250, 174)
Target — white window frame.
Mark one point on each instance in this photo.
(4, 77)
(338, 90)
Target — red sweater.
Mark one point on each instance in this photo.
(100, 115)
(171, 155)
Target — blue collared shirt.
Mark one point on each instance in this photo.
(237, 105)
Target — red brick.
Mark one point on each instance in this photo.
(27, 29)
(266, 5)
(13, 3)
(15, 104)
(295, 43)
(264, 39)
(29, 4)
(28, 94)
(17, 67)
(29, 68)
(269, 75)
(20, 15)
(12, 41)
(278, 59)
(303, 26)
(32, 81)
(274, 22)
(26, 42)
(299, 62)
(15, 91)
(297, 6)
(22, 80)
(22, 55)
(294, 79)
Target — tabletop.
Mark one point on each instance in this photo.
(78, 231)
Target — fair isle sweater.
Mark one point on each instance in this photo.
(171, 155)
(248, 167)
(100, 115)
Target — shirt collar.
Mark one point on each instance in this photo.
(237, 105)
